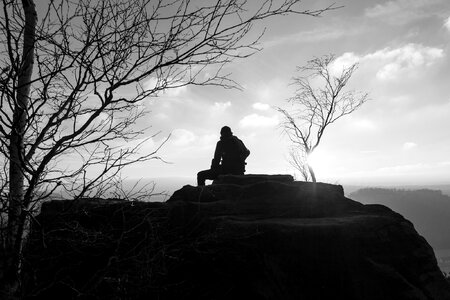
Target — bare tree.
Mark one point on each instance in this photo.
(73, 84)
(299, 160)
(320, 100)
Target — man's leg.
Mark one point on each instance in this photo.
(205, 174)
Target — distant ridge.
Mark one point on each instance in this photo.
(429, 210)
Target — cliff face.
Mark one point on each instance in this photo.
(246, 237)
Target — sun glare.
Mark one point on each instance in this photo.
(319, 161)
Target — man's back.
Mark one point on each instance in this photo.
(234, 153)
(229, 157)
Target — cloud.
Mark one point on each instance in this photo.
(208, 140)
(182, 137)
(161, 116)
(447, 23)
(392, 63)
(258, 121)
(265, 92)
(103, 120)
(359, 124)
(175, 92)
(409, 145)
(143, 146)
(387, 8)
(403, 60)
(261, 106)
(153, 83)
(312, 36)
(401, 12)
(221, 106)
(344, 61)
(150, 84)
(364, 125)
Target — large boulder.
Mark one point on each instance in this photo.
(241, 238)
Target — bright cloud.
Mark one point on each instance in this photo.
(208, 140)
(161, 116)
(401, 11)
(312, 36)
(355, 123)
(175, 92)
(406, 59)
(344, 61)
(150, 84)
(221, 106)
(401, 62)
(182, 137)
(447, 23)
(388, 8)
(261, 106)
(258, 121)
(364, 125)
(409, 145)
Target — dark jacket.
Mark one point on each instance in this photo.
(230, 155)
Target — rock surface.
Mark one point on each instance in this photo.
(244, 237)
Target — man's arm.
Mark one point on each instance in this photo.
(243, 150)
(217, 156)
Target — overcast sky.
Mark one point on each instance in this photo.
(399, 137)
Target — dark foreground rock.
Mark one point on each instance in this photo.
(245, 238)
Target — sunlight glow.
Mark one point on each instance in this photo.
(320, 162)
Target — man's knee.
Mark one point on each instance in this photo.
(206, 174)
(202, 176)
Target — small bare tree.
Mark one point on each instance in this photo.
(298, 159)
(73, 82)
(320, 99)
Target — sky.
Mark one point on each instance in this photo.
(399, 137)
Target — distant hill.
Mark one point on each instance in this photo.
(428, 210)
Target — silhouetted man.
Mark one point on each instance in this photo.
(229, 157)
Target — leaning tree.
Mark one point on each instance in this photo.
(320, 100)
(74, 78)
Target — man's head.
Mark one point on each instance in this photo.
(226, 131)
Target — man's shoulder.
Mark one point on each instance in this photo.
(240, 144)
(234, 140)
(231, 141)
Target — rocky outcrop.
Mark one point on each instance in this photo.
(244, 237)
(252, 178)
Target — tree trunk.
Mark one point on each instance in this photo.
(16, 152)
(313, 175)
(309, 151)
